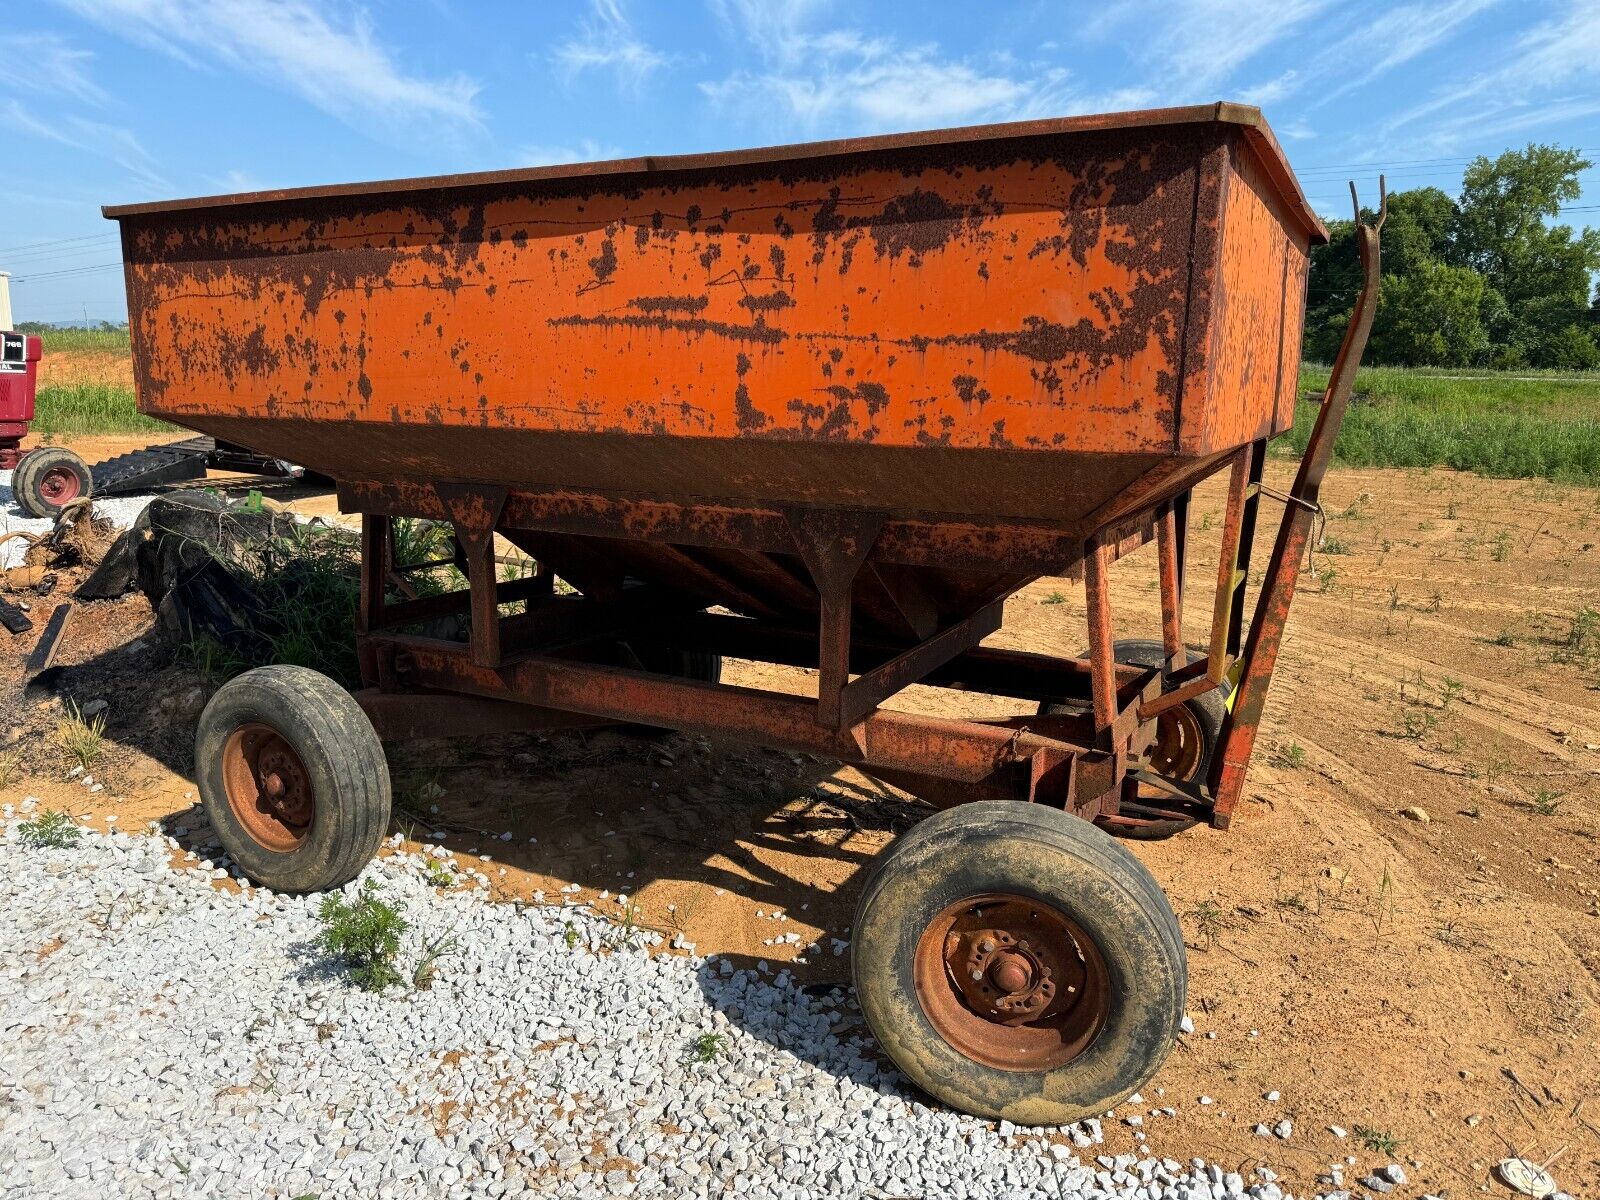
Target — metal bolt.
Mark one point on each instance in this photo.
(977, 976)
(987, 946)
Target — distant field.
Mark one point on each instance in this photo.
(68, 340)
(75, 409)
(1514, 426)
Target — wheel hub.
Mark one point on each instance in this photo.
(59, 485)
(269, 790)
(1011, 982)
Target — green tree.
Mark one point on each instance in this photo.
(1430, 317)
(1532, 302)
(1542, 271)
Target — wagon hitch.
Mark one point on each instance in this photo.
(1260, 654)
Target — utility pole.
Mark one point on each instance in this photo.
(5, 300)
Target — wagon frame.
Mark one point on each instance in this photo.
(1014, 961)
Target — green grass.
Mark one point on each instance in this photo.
(56, 340)
(75, 409)
(1523, 426)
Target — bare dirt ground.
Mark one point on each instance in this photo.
(1432, 981)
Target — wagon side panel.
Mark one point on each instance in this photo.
(1256, 315)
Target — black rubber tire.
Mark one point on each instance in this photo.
(342, 757)
(25, 480)
(1028, 850)
(1209, 709)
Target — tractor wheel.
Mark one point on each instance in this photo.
(49, 479)
(293, 778)
(1017, 963)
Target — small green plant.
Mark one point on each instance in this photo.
(1384, 909)
(1292, 756)
(1501, 550)
(1545, 802)
(435, 948)
(1450, 690)
(1394, 596)
(1416, 724)
(1450, 511)
(439, 875)
(707, 1047)
(81, 740)
(1582, 643)
(569, 934)
(1055, 598)
(1329, 577)
(1379, 1141)
(1332, 545)
(1504, 638)
(49, 831)
(1207, 918)
(628, 929)
(365, 934)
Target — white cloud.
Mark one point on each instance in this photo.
(44, 62)
(322, 51)
(587, 150)
(606, 41)
(817, 78)
(109, 142)
(1196, 45)
(1546, 75)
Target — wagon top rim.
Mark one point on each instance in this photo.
(1247, 117)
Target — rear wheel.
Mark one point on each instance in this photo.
(293, 778)
(1187, 735)
(1016, 962)
(49, 479)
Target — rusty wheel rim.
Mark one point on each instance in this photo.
(60, 485)
(1011, 982)
(268, 788)
(1179, 745)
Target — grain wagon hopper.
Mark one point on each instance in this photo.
(825, 405)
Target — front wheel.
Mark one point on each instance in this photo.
(293, 778)
(49, 479)
(1016, 962)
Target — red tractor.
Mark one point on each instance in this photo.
(45, 480)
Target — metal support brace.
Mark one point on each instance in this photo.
(474, 512)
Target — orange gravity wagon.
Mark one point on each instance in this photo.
(828, 406)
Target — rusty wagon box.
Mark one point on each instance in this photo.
(825, 405)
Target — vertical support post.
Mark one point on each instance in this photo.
(1228, 579)
(376, 543)
(1171, 585)
(1247, 538)
(834, 545)
(474, 512)
(1102, 657)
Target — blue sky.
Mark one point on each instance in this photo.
(111, 101)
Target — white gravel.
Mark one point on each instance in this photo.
(162, 1038)
(122, 510)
